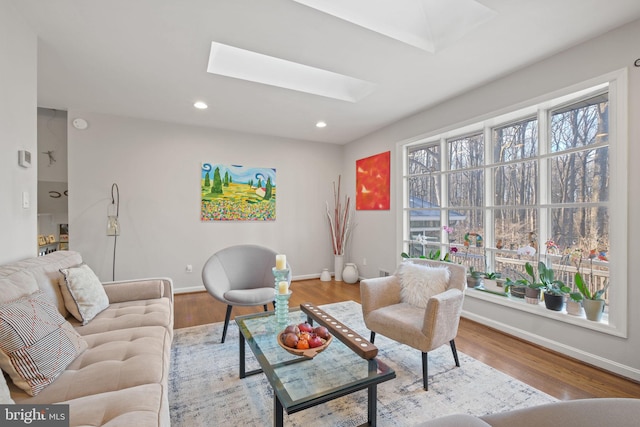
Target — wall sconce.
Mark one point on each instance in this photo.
(113, 210)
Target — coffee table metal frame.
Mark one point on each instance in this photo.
(378, 372)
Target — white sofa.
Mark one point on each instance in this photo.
(120, 376)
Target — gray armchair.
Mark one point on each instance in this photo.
(618, 412)
(424, 329)
(241, 275)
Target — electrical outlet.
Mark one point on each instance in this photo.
(364, 261)
(384, 273)
(189, 268)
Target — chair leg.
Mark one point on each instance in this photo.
(425, 370)
(226, 323)
(455, 352)
(373, 337)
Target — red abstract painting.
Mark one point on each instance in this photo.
(373, 182)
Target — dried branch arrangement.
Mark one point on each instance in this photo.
(340, 220)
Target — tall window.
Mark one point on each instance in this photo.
(529, 186)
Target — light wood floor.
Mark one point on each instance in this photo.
(557, 375)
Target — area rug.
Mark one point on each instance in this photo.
(204, 388)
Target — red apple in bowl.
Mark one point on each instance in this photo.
(315, 341)
(305, 327)
(322, 332)
(290, 339)
(291, 329)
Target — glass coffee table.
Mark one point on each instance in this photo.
(298, 382)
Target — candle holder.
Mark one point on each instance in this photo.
(280, 276)
(282, 310)
(281, 300)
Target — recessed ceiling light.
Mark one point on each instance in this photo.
(321, 124)
(231, 61)
(201, 105)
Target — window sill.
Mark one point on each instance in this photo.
(540, 310)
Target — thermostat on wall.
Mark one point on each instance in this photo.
(24, 158)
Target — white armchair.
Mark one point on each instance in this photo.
(425, 329)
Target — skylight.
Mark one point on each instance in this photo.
(426, 24)
(243, 64)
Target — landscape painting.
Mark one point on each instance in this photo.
(237, 193)
(373, 181)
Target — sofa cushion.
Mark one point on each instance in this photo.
(15, 284)
(421, 282)
(140, 289)
(83, 293)
(130, 314)
(385, 322)
(140, 406)
(28, 275)
(36, 342)
(114, 360)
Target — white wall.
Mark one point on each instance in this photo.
(157, 168)
(378, 242)
(18, 104)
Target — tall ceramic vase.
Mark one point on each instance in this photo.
(338, 266)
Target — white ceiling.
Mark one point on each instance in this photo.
(148, 59)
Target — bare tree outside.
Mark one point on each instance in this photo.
(576, 194)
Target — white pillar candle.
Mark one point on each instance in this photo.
(281, 262)
(283, 287)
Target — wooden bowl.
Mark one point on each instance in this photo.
(308, 352)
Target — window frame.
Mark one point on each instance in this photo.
(616, 84)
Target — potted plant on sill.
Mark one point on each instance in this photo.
(515, 289)
(574, 304)
(554, 290)
(490, 282)
(530, 284)
(433, 255)
(474, 277)
(593, 303)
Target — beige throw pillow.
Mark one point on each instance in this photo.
(36, 342)
(83, 293)
(421, 282)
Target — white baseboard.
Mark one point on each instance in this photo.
(201, 288)
(592, 359)
(185, 290)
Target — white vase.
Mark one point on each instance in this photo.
(350, 273)
(325, 276)
(338, 266)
